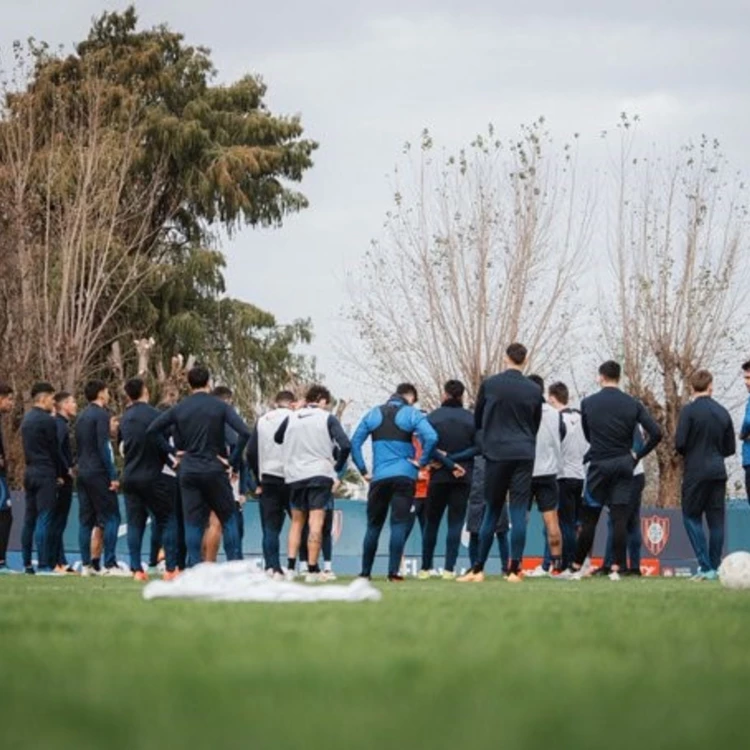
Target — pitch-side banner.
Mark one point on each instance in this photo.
(665, 549)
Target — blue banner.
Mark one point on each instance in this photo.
(665, 548)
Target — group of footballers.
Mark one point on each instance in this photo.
(521, 445)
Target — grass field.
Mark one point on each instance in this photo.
(547, 664)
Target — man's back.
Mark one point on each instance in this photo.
(145, 455)
(609, 419)
(92, 441)
(40, 446)
(456, 435)
(270, 458)
(200, 421)
(548, 460)
(308, 447)
(705, 437)
(574, 445)
(392, 427)
(509, 412)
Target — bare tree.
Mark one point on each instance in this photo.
(677, 244)
(480, 249)
(79, 242)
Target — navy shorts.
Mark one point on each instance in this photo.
(610, 481)
(310, 498)
(544, 490)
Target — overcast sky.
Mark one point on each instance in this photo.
(368, 76)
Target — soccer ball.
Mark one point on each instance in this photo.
(734, 572)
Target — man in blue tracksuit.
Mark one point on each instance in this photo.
(745, 431)
(97, 479)
(449, 489)
(394, 475)
(200, 420)
(44, 470)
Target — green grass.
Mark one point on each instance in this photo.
(547, 664)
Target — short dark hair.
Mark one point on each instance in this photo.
(517, 353)
(42, 387)
(611, 370)
(198, 377)
(745, 367)
(283, 397)
(317, 393)
(560, 392)
(5, 390)
(134, 388)
(407, 389)
(455, 389)
(61, 396)
(223, 392)
(93, 388)
(538, 380)
(701, 380)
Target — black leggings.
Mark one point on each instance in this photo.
(589, 519)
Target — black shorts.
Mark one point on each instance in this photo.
(310, 498)
(703, 495)
(610, 482)
(544, 491)
(203, 493)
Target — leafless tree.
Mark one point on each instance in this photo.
(78, 242)
(480, 249)
(677, 239)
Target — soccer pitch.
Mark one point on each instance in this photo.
(545, 664)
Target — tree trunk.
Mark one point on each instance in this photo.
(670, 479)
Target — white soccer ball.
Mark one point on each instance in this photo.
(734, 572)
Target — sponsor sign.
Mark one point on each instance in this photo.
(665, 550)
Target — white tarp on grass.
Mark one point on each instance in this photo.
(241, 582)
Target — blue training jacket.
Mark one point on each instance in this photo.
(392, 455)
(745, 436)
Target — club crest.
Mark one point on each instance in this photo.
(655, 533)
